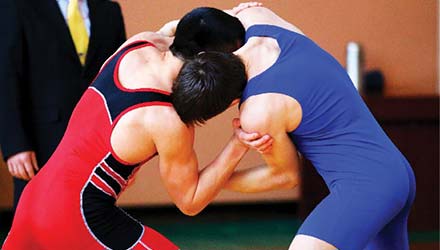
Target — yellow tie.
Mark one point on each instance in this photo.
(77, 30)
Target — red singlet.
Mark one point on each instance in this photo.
(70, 203)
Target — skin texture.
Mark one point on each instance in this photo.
(269, 113)
(282, 162)
(23, 165)
(284, 115)
(142, 132)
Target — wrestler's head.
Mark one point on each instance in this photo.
(207, 85)
(207, 29)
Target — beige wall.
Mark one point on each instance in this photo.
(210, 139)
(398, 36)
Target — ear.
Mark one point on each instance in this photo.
(234, 102)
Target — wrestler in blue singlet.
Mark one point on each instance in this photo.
(371, 184)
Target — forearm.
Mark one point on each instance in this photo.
(280, 172)
(260, 179)
(215, 175)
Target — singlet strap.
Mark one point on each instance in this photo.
(285, 39)
(132, 45)
(118, 99)
(122, 51)
(283, 36)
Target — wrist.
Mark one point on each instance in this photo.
(238, 144)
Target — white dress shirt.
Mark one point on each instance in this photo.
(83, 7)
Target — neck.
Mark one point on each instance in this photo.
(246, 53)
(169, 69)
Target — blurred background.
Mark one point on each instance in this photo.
(400, 57)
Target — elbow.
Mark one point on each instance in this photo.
(292, 181)
(289, 180)
(190, 210)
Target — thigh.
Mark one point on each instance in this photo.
(394, 236)
(349, 217)
(303, 242)
(18, 242)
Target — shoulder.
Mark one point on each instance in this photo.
(166, 117)
(158, 122)
(252, 16)
(256, 12)
(258, 112)
(262, 15)
(143, 131)
(170, 135)
(163, 121)
(270, 112)
(158, 40)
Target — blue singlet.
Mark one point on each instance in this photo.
(372, 186)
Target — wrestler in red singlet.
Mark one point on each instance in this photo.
(70, 204)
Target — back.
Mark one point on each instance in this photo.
(337, 132)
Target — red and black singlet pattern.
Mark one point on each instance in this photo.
(104, 220)
(118, 99)
(78, 187)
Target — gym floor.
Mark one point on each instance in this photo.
(233, 227)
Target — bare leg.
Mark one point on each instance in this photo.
(305, 242)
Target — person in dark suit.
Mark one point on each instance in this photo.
(50, 52)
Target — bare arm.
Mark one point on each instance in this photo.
(190, 189)
(161, 41)
(237, 9)
(262, 15)
(144, 131)
(282, 169)
(169, 29)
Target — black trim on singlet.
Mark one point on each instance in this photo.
(123, 170)
(109, 180)
(109, 224)
(117, 99)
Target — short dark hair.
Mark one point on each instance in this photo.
(206, 86)
(207, 29)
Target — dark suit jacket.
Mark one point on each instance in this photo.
(41, 77)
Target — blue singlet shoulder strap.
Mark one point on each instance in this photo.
(283, 36)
